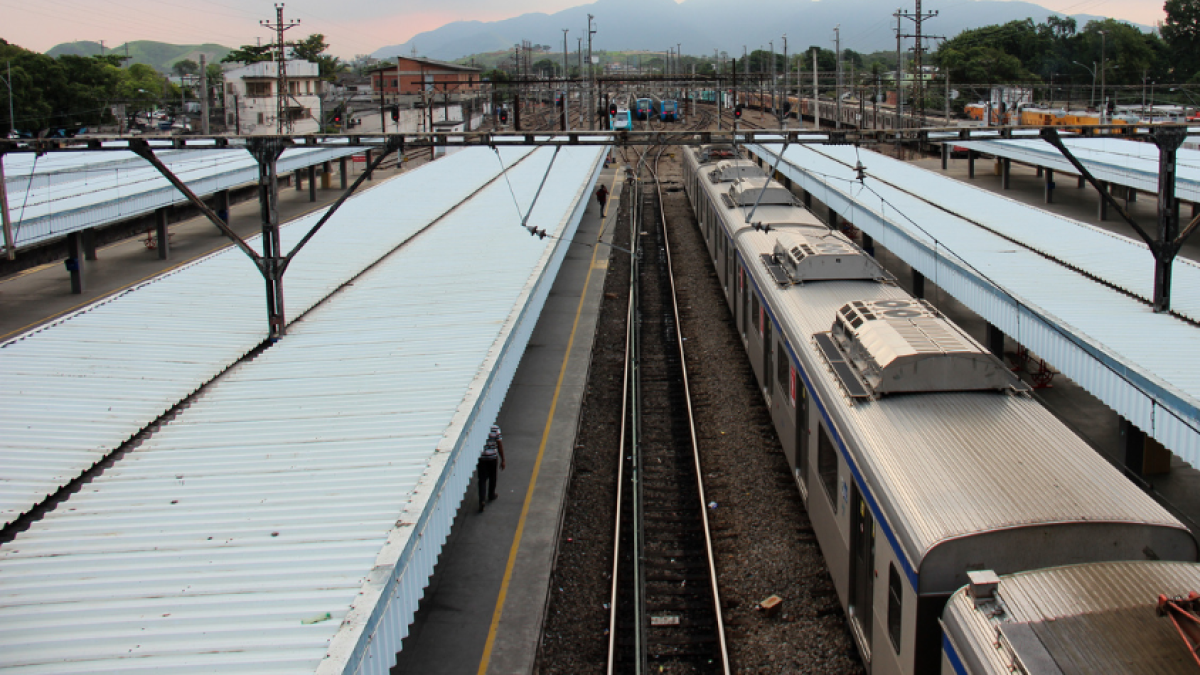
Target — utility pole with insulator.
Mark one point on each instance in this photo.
(283, 122)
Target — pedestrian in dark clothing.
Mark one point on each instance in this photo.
(602, 197)
(492, 455)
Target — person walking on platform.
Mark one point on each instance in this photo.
(602, 197)
(492, 455)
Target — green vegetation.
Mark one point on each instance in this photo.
(158, 55)
(311, 49)
(74, 91)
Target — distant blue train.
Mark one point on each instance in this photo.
(667, 111)
(643, 108)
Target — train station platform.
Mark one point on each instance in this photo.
(484, 607)
(320, 436)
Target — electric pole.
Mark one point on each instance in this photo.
(283, 122)
(591, 109)
(837, 91)
(918, 48)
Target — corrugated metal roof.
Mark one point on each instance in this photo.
(96, 190)
(1115, 160)
(1096, 618)
(289, 518)
(1114, 346)
(78, 388)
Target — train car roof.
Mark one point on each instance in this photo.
(945, 467)
(1093, 618)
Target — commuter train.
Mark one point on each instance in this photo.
(1088, 618)
(665, 110)
(919, 456)
(643, 108)
(622, 121)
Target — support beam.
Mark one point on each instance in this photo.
(266, 152)
(299, 183)
(918, 284)
(995, 341)
(946, 150)
(10, 248)
(1049, 186)
(224, 203)
(1005, 173)
(367, 169)
(327, 176)
(89, 243)
(342, 172)
(74, 262)
(1102, 209)
(142, 149)
(1168, 142)
(161, 234)
(312, 183)
(970, 163)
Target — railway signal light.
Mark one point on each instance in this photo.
(504, 117)
(737, 112)
(612, 110)
(395, 113)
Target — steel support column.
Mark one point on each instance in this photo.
(74, 262)
(312, 183)
(327, 176)
(1102, 209)
(1168, 142)
(266, 152)
(161, 234)
(1005, 173)
(1049, 191)
(342, 172)
(970, 163)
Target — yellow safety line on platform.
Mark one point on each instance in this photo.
(537, 466)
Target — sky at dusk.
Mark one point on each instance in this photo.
(350, 26)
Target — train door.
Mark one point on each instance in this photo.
(800, 399)
(768, 346)
(862, 571)
(740, 309)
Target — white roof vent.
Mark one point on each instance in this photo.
(907, 346)
(745, 191)
(732, 169)
(823, 255)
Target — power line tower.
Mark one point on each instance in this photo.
(283, 120)
(918, 18)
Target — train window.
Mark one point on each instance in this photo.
(895, 597)
(827, 465)
(755, 313)
(784, 366)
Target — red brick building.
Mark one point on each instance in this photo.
(414, 75)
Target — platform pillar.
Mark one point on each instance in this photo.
(1195, 209)
(1039, 172)
(1102, 210)
(868, 243)
(74, 262)
(297, 177)
(326, 175)
(161, 234)
(370, 174)
(1049, 186)
(1082, 183)
(918, 284)
(224, 203)
(995, 341)
(970, 163)
(945, 155)
(89, 243)
(342, 174)
(1005, 173)
(312, 183)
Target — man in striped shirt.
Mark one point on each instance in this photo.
(492, 455)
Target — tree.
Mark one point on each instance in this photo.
(248, 54)
(1181, 33)
(312, 49)
(185, 67)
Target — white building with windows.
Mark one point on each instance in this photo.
(250, 98)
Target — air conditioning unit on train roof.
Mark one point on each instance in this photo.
(824, 255)
(745, 192)
(732, 169)
(907, 346)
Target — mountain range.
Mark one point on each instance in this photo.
(159, 55)
(701, 26)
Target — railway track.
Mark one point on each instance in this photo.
(665, 603)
